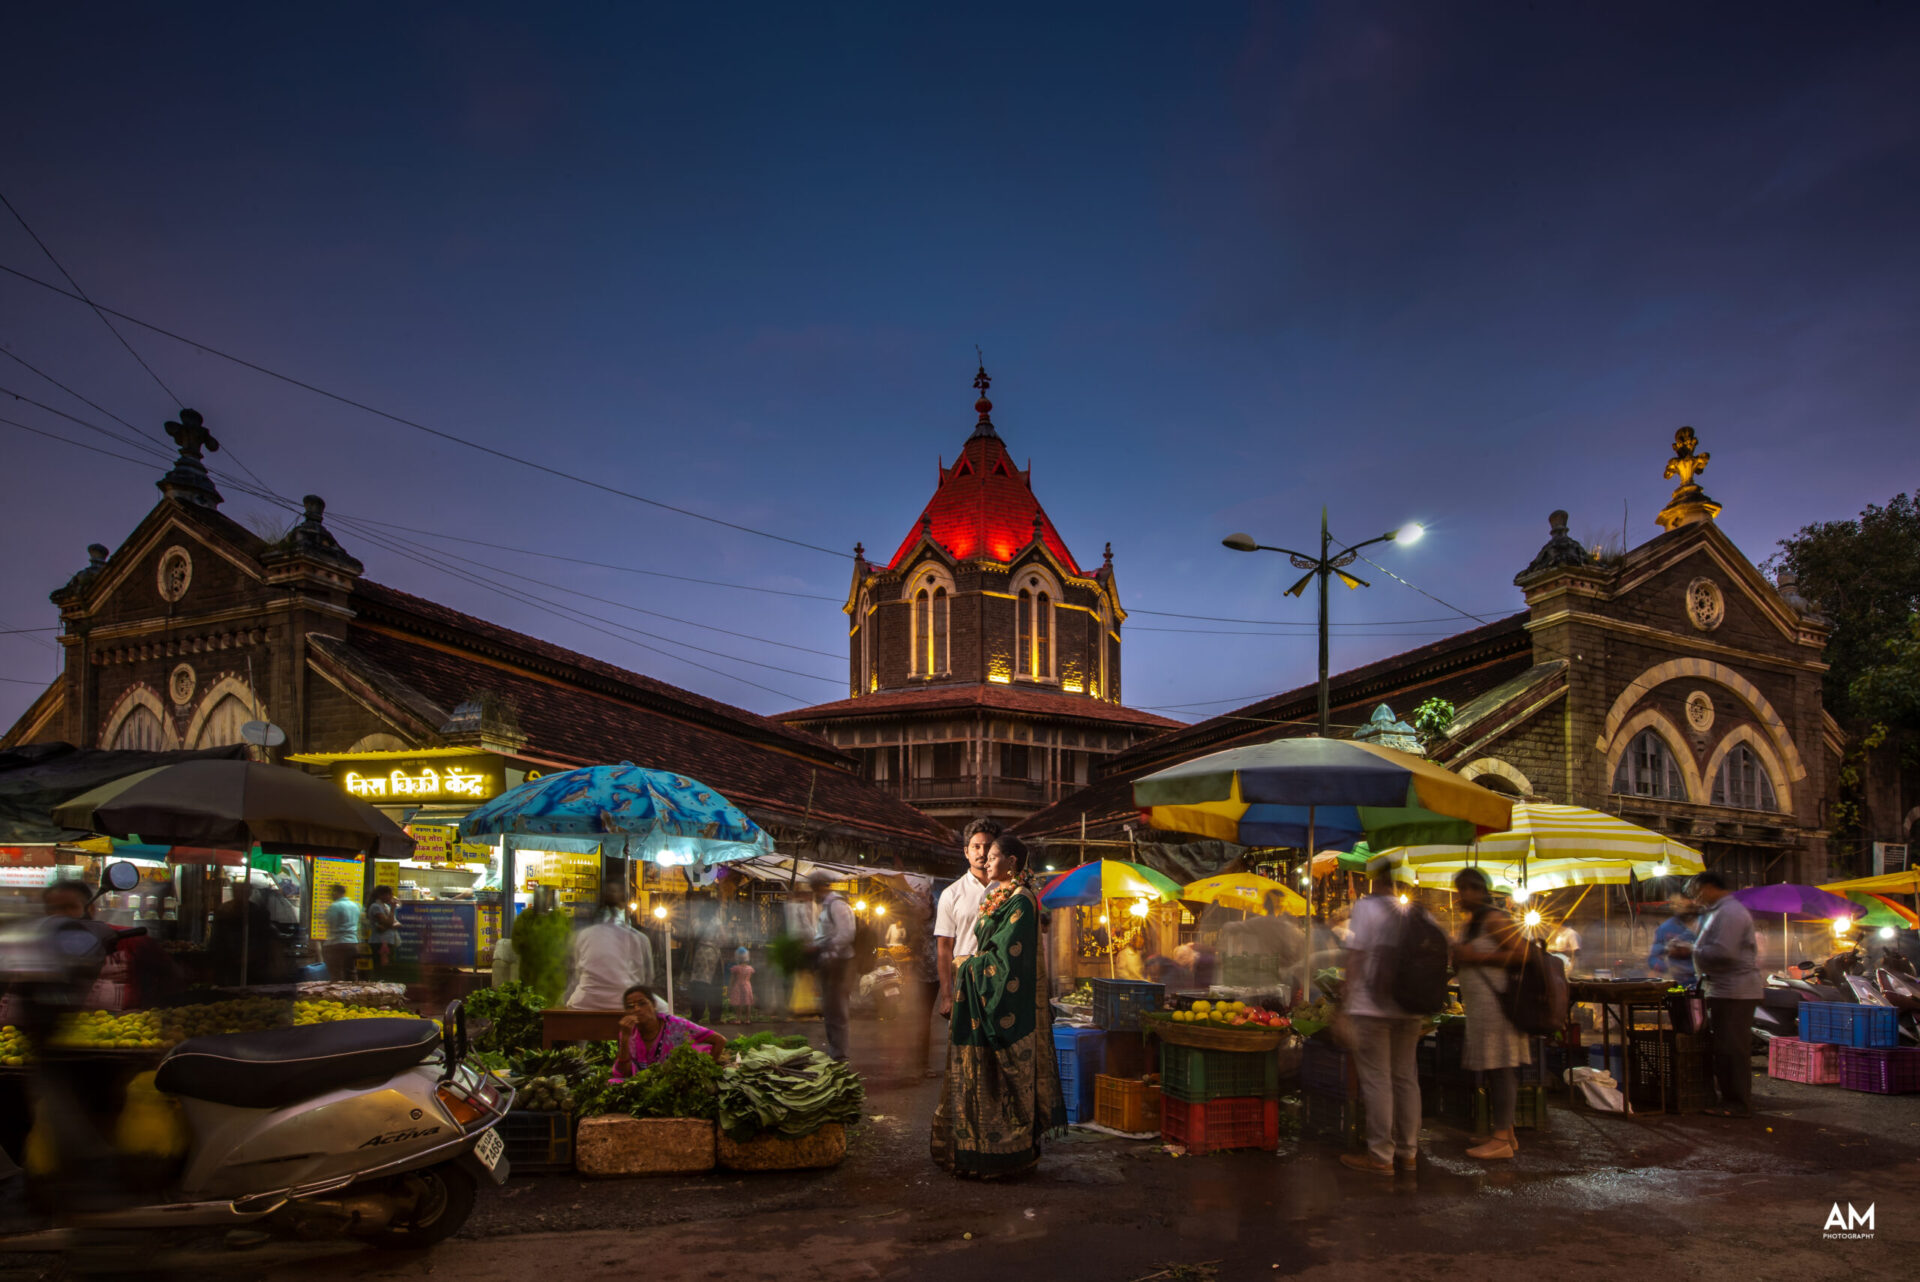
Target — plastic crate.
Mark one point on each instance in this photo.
(1451, 1100)
(1881, 1070)
(1534, 1073)
(1438, 1055)
(1076, 1052)
(1845, 1024)
(1327, 1069)
(1195, 1075)
(538, 1141)
(1334, 1117)
(1529, 1110)
(1672, 1071)
(1119, 1003)
(1126, 1104)
(1221, 1124)
(1791, 1060)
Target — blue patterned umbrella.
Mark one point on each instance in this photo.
(633, 812)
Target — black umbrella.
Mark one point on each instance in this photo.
(236, 805)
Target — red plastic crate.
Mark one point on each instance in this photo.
(1221, 1124)
(1880, 1070)
(1792, 1060)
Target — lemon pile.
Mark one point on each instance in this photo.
(162, 1028)
(1206, 1012)
(13, 1047)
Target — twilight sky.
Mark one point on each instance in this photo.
(1463, 264)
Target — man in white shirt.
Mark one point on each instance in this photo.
(1565, 945)
(607, 958)
(959, 909)
(1386, 1038)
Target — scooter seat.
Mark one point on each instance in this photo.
(283, 1066)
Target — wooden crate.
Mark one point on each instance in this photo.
(644, 1146)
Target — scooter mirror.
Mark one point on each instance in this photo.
(122, 876)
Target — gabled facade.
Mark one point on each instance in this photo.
(1673, 685)
(983, 663)
(196, 625)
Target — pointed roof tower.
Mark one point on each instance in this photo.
(984, 508)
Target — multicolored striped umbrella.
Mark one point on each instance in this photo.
(1330, 792)
(1105, 879)
(1550, 846)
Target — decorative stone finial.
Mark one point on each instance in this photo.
(983, 407)
(96, 555)
(1038, 525)
(311, 538)
(859, 551)
(1561, 549)
(188, 481)
(1689, 504)
(1109, 555)
(96, 562)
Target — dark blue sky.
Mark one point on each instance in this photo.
(1458, 263)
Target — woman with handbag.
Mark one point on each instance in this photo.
(1481, 958)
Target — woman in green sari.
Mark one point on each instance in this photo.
(1002, 1091)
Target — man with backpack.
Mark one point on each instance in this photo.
(1396, 975)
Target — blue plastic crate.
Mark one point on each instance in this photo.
(1078, 1052)
(1119, 1003)
(1845, 1024)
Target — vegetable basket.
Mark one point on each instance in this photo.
(1212, 1037)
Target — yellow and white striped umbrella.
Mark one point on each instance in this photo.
(1551, 846)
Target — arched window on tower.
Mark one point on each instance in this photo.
(1648, 769)
(1043, 637)
(939, 654)
(140, 729)
(922, 633)
(1742, 782)
(1023, 639)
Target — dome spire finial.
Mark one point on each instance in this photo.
(983, 407)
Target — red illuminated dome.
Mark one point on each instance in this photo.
(984, 508)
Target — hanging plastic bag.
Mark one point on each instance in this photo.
(1596, 1088)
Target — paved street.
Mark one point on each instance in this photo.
(1594, 1197)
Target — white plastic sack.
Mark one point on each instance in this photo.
(1597, 1088)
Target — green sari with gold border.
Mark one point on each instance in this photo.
(1002, 1091)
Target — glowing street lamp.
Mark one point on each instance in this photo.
(1329, 564)
(1138, 908)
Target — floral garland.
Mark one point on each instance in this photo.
(1003, 892)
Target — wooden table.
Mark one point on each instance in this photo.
(1624, 996)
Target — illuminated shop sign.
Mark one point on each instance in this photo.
(473, 779)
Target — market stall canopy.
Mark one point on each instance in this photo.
(233, 806)
(38, 777)
(1328, 862)
(1550, 846)
(634, 812)
(775, 868)
(1277, 793)
(1105, 879)
(1880, 912)
(1789, 897)
(1243, 890)
(1892, 883)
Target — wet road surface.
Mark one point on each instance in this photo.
(1589, 1196)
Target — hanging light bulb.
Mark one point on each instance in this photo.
(860, 906)
(1520, 894)
(1886, 932)
(1139, 908)
(659, 912)
(1659, 870)
(1532, 918)
(1841, 925)
(880, 910)
(1404, 901)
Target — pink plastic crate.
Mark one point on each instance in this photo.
(1792, 1060)
(1879, 1070)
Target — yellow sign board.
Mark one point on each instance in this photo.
(448, 783)
(348, 874)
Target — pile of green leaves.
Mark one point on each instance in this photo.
(788, 1092)
(754, 1041)
(685, 1084)
(514, 1012)
(540, 946)
(568, 1062)
(788, 952)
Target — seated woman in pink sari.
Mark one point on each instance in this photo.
(648, 1037)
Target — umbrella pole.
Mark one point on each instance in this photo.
(246, 917)
(1306, 962)
(1113, 949)
(669, 965)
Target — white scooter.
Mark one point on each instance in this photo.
(357, 1128)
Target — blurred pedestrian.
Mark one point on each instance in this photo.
(383, 927)
(1682, 913)
(833, 954)
(1385, 1039)
(342, 949)
(607, 957)
(1490, 944)
(1726, 956)
(740, 986)
(1565, 945)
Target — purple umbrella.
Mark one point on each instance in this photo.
(1788, 898)
(1791, 897)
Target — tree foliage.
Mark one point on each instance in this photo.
(1864, 575)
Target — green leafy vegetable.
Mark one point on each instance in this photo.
(514, 1011)
(788, 952)
(540, 944)
(685, 1084)
(754, 1041)
(787, 1091)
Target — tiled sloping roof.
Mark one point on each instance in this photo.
(984, 508)
(574, 725)
(992, 696)
(1475, 661)
(375, 602)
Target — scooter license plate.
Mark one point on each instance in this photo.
(490, 1149)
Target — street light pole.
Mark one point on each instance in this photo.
(1329, 564)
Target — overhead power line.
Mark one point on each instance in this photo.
(81, 294)
(418, 426)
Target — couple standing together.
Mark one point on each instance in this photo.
(1002, 1087)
